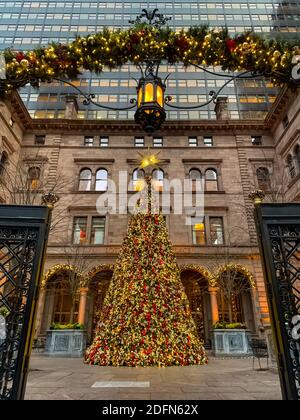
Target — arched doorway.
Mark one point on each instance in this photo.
(61, 302)
(99, 282)
(235, 285)
(196, 288)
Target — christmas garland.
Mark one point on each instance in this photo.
(198, 45)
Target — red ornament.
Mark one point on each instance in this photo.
(135, 38)
(82, 234)
(20, 56)
(182, 43)
(230, 44)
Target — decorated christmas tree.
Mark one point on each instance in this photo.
(146, 320)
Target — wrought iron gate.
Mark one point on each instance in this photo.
(278, 227)
(23, 234)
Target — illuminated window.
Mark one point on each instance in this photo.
(103, 141)
(193, 142)
(198, 231)
(79, 230)
(101, 180)
(208, 141)
(157, 142)
(85, 180)
(138, 182)
(34, 174)
(158, 177)
(139, 142)
(211, 180)
(98, 230)
(216, 230)
(88, 141)
(256, 140)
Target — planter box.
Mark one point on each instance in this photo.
(65, 343)
(231, 342)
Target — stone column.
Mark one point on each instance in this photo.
(40, 312)
(214, 303)
(82, 305)
(221, 108)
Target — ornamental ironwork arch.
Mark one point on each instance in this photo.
(59, 268)
(237, 268)
(201, 270)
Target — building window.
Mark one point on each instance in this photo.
(256, 140)
(103, 141)
(139, 142)
(85, 180)
(193, 142)
(198, 231)
(291, 166)
(138, 179)
(39, 140)
(157, 142)
(208, 141)
(3, 163)
(98, 230)
(285, 121)
(297, 156)
(34, 174)
(263, 179)
(101, 180)
(158, 178)
(88, 141)
(211, 180)
(216, 230)
(79, 230)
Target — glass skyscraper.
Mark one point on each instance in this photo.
(25, 25)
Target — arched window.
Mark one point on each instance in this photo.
(85, 180)
(34, 174)
(297, 156)
(3, 162)
(291, 166)
(158, 178)
(138, 176)
(263, 179)
(101, 180)
(211, 180)
(194, 176)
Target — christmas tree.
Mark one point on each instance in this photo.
(146, 320)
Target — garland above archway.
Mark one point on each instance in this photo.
(198, 45)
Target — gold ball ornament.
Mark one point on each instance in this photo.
(24, 62)
(276, 54)
(207, 37)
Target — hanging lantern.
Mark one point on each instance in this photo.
(150, 113)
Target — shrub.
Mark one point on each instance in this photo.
(228, 325)
(4, 311)
(75, 326)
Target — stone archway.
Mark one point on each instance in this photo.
(97, 286)
(56, 297)
(197, 284)
(240, 308)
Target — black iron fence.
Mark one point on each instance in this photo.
(278, 227)
(23, 235)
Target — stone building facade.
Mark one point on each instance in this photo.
(76, 159)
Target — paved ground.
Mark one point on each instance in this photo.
(229, 379)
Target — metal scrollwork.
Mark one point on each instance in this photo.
(285, 246)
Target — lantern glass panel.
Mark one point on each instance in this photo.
(159, 93)
(149, 92)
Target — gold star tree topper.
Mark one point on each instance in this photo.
(149, 159)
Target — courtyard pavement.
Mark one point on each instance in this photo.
(220, 379)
